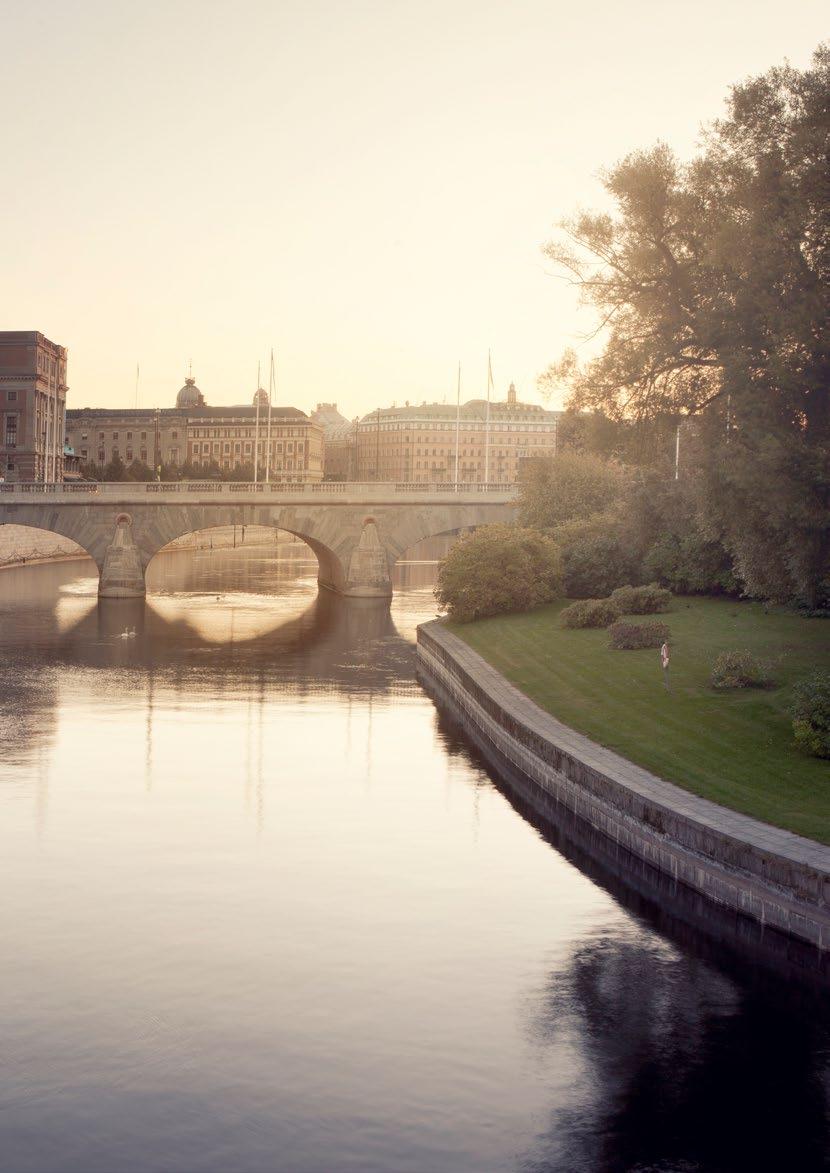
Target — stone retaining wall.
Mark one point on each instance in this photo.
(773, 876)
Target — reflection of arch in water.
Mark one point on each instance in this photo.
(326, 644)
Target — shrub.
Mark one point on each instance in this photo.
(590, 613)
(498, 569)
(596, 555)
(811, 714)
(568, 487)
(739, 670)
(641, 600)
(691, 564)
(628, 636)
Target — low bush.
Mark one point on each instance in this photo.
(628, 636)
(590, 613)
(641, 600)
(738, 669)
(496, 570)
(811, 714)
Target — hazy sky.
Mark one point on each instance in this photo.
(365, 186)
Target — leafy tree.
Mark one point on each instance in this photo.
(568, 487)
(115, 470)
(711, 282)
(139, 471)
(498, 569)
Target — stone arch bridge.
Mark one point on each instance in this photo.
(357, 531)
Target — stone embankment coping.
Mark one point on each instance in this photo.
(778, 879)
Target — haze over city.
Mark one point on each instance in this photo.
(364, 187)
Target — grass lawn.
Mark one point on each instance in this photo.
(735, 748)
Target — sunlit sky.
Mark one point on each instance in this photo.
(364, 187)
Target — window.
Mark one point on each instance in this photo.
(100, 435)
(11, 431)
(129, 435)
(12, 397)
(84, 436)
(174, 435)
(143, 455)
(129, 455)
(143, 435)
(115, 435)
(84, 454)
(102, 456)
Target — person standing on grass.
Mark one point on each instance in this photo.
(664, 660)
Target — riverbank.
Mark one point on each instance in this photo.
(768, 874)
(733, 747)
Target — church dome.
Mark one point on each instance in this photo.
(190, 395)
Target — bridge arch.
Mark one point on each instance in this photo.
(154, 530)
(37, 527)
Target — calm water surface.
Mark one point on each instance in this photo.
(263, 910)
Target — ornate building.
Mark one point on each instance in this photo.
(202, 437)
(419, 443)
(339, 435)
(32, 407)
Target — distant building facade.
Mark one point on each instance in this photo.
(32, 407)
(194, 434)
(339, 443)
(418, 444)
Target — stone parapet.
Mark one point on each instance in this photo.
(755, 870)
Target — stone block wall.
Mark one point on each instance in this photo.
(777, 878)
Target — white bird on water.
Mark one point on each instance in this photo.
(127, 633)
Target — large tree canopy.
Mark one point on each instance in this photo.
(711, 284)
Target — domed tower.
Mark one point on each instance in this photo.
(190, 395)
(261, 398)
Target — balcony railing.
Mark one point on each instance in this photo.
(232, 488)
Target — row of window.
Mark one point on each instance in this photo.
(276, 446)
(211, 433)
(367, 425)
(233, 433)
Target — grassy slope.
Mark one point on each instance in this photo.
(735, 748)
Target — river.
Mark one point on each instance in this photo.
(263, 910)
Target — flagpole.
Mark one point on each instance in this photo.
(268, 441)
(256, 429)
(487, 423)
(457, 424)
(136, 384)
(47, 443)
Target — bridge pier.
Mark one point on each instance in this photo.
(368, 574)
(122, 573)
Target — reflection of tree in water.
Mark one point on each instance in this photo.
(686, 1054)
(688, 1071)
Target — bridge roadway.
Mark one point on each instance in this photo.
(357, 530)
